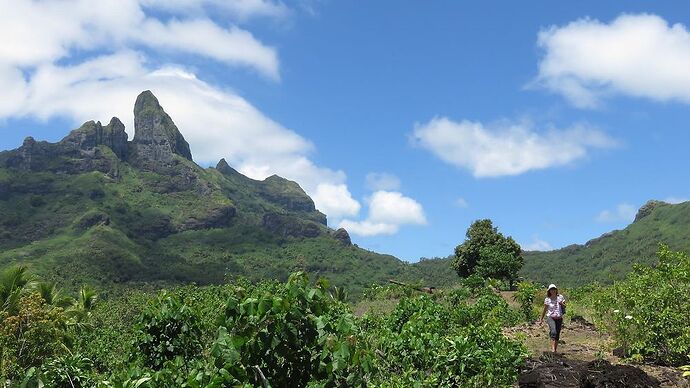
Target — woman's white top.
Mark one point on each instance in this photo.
(553, 308)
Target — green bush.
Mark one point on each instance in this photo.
(166, 329)
(525, 295)
(69, 371)
(433, 343)
(648, 311)
(37, 332)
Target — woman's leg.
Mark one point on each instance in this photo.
(553, 333)
(559, 325)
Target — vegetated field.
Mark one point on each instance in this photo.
(289, 333)
(301, 333)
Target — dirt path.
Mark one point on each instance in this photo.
(584, 360)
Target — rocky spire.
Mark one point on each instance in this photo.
(115, 137)
(224, 168)
(92, 134)
(156, 137)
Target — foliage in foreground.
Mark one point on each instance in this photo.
(648, 311)
(290, 334)
(37, 323)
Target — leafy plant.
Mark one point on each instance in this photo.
(37, 332)
(525, 295)
(647, 312)
(167, 328)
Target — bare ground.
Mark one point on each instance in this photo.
(584, 359)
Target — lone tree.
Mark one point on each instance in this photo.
(488, 253)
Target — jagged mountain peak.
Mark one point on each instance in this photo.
(224, 168)
(155, 134)
(648, 208)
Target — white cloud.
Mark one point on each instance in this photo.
(367, 228)
(624, 212)
(505, 148)
(76, 60)
(638, 55)
(382, 181)
(39, 32)
(537, 244)
(242, 9)
(461, 203)
(335, 200)
(676, 200)
(388, 211)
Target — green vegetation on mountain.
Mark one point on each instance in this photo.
(97, 209)
(611, 256)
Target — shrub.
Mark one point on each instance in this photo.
(36, 333)
(525, 295)
(429, 343)
(167, 328)
(290, 337)
(647, 312)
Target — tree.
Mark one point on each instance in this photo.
(13, 283)
(488, 253)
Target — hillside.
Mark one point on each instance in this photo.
(96, 208)
(610, 256)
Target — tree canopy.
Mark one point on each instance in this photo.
(488, 253)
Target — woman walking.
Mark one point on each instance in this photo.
(554, 307)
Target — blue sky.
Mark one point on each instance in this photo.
(405, 121)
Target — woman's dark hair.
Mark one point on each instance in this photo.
(548, 292)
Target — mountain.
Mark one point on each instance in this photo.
(98, 208)
(612, 255)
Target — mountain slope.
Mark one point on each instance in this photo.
(612, 255)
(98, 208)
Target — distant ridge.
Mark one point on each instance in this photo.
(612, 255)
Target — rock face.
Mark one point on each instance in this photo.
(342, 236)
(287, 226)
(277, 190)
(648, 208)
(216, 218)
(224, 168)
(287, 194)
(25, 154)
(92, 134)
(156, 138)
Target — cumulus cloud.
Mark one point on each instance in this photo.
(47, 73)
(367, 228)
(505, 148)
(388, 211)
(536, 244)
(637, 55)
(38, 32)
(336, 198)
(624, 212)
(382, 181)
